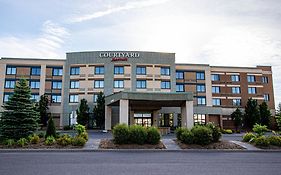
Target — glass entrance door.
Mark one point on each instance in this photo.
(143, 119)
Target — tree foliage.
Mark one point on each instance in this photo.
(278, 116)
(51, 129)
(252, 114)
(264, 114)
(83, 113)
(99, 111)
(19, 118)
(43, 109)
(236, 116)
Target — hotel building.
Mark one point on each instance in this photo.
(146, 88)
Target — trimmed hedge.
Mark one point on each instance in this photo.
(138, 134)
(274, 140)
(179, 132)
(249, 136)
(216, 134)
(262, 141)
(202, 135)
(121, 134)
(187, 137)
(153, 136)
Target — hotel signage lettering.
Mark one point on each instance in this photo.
(119, 56)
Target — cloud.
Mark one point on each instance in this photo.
(47, 44)
(127, 6)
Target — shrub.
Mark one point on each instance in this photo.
(64, 140)
(261, 141)
(137, 134)
(78, 141)
(153, 136)
(80, 129)
(260, 129)
(9, 142)
(216, 134)
(274, 140)
(179, 131)
(51, 129)
(202, 135)
(34, 139)
(227, 131)
(50, 140)
(22, 142)
(121, 134)
(41, 134)
(248, 137)
(84, 135)
(187, 137)
(67, 127)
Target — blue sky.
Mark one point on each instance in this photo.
(217, 32)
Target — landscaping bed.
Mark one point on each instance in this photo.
(109, 144)
(223, 144)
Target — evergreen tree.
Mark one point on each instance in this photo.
(83, 113)
(278, 116)
(43, 108)
(252, 114)
(264, 114)
(51, 128)
(19, 118)
(99, 111)
(236, 116)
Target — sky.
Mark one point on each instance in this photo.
(215, 32)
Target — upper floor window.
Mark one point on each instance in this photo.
(74, 98)
(264, 80)
(235, 90)
(34, 84)
(56, 85)
(180, 88)
(118, 83)
(35, 71)
(252, 90)
(35, 97)
(200, 76)
(10, 84)
(57, 71)
(216, 101)
(6, 97)
(11, 70)
(118, 69)
(165, 85)
(266, 97)
(141, 84)
(74, 84)
(74, 70)
(235, 78)
(141, 70)
(179, 75)
(165, 70)
(216, 89)
(251, 78)
(99, 70)
(200, 88)
(56, 98)
(215, 77)
(236, 102)
(99, 84)
(201, 100)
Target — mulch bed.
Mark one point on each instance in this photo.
(109, 144)
(223, 144)
(40, 145)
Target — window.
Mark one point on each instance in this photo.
(10, 84)
(215, 77)
(99, 84)
(35, 71)
(56, 98)
(57, 71)
(235, 90)
(200, 88)
(266, 97)
(179, 75)
(34, 84)
(252, 90)
(56, 84)
(6, 97)
(264, 80)
(118, 69)
(216, 101)
(141, 70)
(235, 78)
(74, 70)
(180, 88)
(200, 76)
(95, 98)
(201, 100)
(73, 98)
(251, 78)
(74, 84)
(199, 119)
(118, 83)
(11, 70)
(215, 89)
(99, 70)
(165, 71)
(165, 85)
(141, 84)
(35, 97)
(236, 102)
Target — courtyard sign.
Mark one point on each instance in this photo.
(119, 56)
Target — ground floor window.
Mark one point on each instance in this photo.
(143, 119)
(199, 119)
